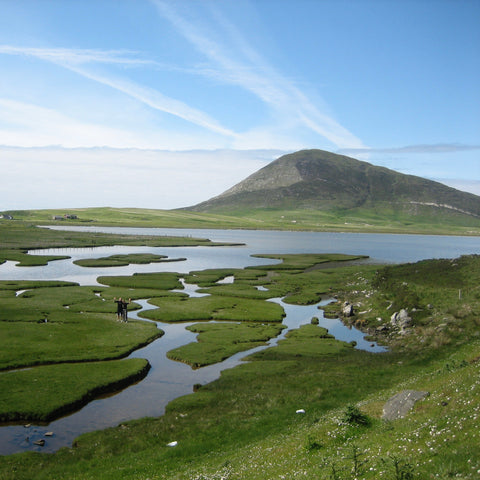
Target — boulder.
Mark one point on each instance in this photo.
(401, 403)
(347, 309)
(401, 319)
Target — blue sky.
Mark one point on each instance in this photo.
(163, 104)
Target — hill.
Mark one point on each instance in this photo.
(327, 182)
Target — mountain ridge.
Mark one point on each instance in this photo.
(321, 180)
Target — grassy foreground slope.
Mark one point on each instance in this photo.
(245, 425)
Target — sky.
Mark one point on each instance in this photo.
(167, 103)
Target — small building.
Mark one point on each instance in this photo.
(5, 216)
(66, 216)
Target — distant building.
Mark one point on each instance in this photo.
(67, 216)
(5, 216)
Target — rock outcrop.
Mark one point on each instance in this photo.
(401, 403)
(401, 320)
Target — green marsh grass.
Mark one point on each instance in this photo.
(210, 276)
(241, 291)
(23, 259)
(123, 260)
(218, 341)
(157, 281)
(72, 337)
(213, 308)
(15, 285)
(45, 392)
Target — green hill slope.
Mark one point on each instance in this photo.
(316, 180)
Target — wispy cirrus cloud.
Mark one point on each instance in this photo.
(65, 56)
(158, 101)
(77, 60)
(233, 60)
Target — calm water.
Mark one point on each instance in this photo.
(167, 379)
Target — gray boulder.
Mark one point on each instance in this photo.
(401, 319)
(347, 309)
(401, 403)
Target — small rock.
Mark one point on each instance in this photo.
(40, 443)
(300, 411)
(172, 444)
(49, 434)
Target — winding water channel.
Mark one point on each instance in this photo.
(168, 379)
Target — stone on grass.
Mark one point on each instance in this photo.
(401, 403)
(347, 309)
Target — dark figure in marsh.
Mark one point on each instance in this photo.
(125, 309)
(119, 303)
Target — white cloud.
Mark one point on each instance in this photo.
(27, 125)
(234, 61)
(31, 125)
(61, 178)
